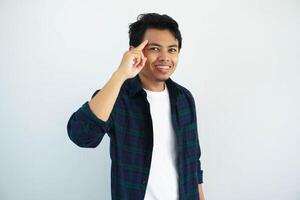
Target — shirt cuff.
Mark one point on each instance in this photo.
(199, 173)
(85, 108)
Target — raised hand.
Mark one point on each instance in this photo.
(133, 61)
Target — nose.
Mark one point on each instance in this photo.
(163, 56)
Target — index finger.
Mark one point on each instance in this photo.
(142, 45)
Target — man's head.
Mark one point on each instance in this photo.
(152, 21)
(164, 44)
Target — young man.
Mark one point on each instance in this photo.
(150, 119)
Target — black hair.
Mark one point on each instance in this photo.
(152, 20)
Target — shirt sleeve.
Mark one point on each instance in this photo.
(85, 129)
(199, 169)
(199, 172)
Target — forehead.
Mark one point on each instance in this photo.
(162, 37)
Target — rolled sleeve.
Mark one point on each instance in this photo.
(85, 108)
(199, 172)
(85, 129)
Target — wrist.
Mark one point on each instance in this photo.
(119, 75)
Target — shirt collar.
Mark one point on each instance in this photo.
(135, 86)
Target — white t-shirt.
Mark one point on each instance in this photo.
(163, 178)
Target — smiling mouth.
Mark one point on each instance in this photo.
(164, 69)
(163, 66)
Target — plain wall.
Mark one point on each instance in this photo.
(240, 59)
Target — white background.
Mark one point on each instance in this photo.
(240, 59)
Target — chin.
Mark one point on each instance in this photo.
(161, 79)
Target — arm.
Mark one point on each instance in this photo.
(87, 126)
(102, 104)
(201, 193)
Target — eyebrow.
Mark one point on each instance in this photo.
(155, 44)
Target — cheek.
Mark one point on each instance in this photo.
(150, 59)
(175, 60)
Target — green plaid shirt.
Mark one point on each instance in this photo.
(131, 139)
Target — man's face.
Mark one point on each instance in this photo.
(162, 54)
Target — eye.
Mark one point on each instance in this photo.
(154, 48)
(173, 50)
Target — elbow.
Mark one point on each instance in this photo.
(82, 136)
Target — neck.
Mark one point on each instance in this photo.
(155, 86)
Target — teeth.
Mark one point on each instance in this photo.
(163, 67)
